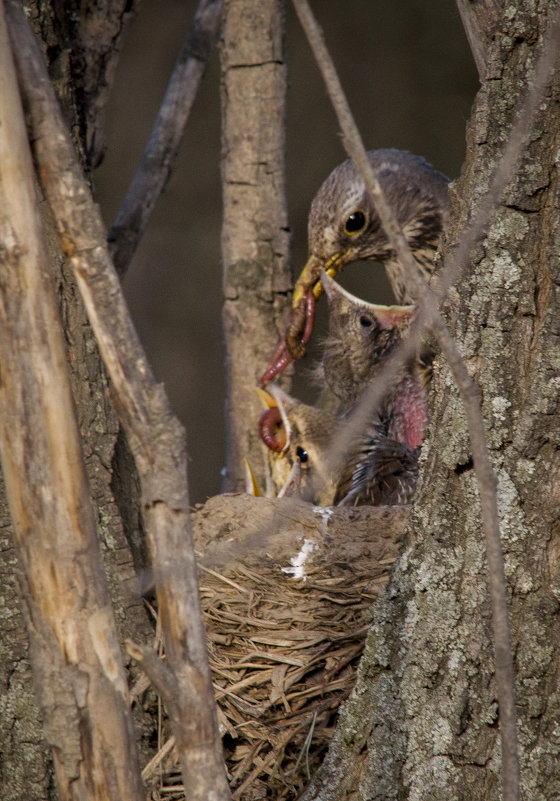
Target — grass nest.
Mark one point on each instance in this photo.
(286, 602)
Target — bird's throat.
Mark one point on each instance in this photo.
(410, 413)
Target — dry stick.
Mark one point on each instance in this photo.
(161, 150)
(156, 438)
(470, 397)
(77, 666)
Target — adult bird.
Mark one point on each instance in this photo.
(344, 227)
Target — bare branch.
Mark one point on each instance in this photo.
(161, 150)
(77, 665)
(155, 436)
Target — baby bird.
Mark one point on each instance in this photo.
(361, 337)
(298, 438)
(382, 465)
(383, 472)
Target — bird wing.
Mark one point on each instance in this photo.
(385, 475)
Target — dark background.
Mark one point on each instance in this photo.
(410, 81)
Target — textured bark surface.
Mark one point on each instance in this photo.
(255, 235)
(77, 670)
(81, 43)
(25, 765)
(423, 720)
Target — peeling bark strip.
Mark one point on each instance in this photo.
(156, 438)
(77, 665)
(255, 236)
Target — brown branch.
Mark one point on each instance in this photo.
(469, 395)
(156, 438)
(163, 144)
(77, 665)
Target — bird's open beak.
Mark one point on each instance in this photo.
(302, 314)
(251, 483)
(310, 277)
(394, 316)
(388, 316)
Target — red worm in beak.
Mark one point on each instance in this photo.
(271, 429)
(282, 356)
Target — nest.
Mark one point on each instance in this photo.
(284, 637)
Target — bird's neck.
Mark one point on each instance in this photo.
(424, 258)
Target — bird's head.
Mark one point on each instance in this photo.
(360, 336)
(344, 226)
(298, 436)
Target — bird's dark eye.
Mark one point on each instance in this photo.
(355, 223)
(302, 454)
(365, 322)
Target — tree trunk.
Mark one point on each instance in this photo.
(255, 235)
(423, 720)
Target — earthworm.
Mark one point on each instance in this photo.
(302, 317)
(271, 429)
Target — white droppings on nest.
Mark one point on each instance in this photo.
(297, 569)
(325, 512)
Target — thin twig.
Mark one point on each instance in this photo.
(468, 391)
(161, 150)
(156, 438)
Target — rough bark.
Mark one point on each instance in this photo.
(77, 667)
(25, 764)
(255, 234)
(422, 721)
